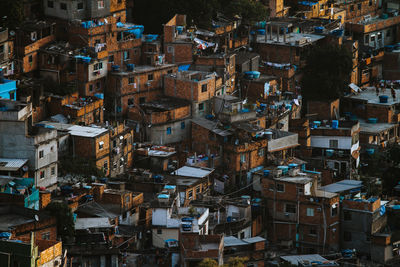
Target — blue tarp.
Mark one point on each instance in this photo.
(183, 67)
(307, 3)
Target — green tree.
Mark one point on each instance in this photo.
(207, 262)
(237, 262)
(250, 11)
(65, 219)
(11, 13)
(326, 75)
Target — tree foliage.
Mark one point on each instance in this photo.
(207, 262)
(11, 13)
(237, 262)
(65, 219)
(199, 12)
(327, 73)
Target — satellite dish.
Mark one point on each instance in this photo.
(12, 33)
(36, 217)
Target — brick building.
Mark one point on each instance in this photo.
(6, 52)
(178, 46)
(194, 86)
(135, 86)
(29, 39)
(303, 215)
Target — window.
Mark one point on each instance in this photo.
(159, 231)
(46, 236)
(42, 174)
(242, 235)
(150, 77)
(131, 101)
(313, 231)
(261, 152)
(359, 6)
(169, 131)
(131, 80)
(91, 88)
(105, 165)
(352, 8)
(52, 148)
(50, 4)
(170, 49)
(41, 154)
(201, 106)
(290, 208)
(198, 189)
(271, 187)
(379, 36)
(111, 59)
(169, 71)
(80, 6)
(388, 32)
(126, 55)
(204, 88)
(280, 187)
(373, 38)
(101, 145)
(98, 66)
(347, 236)
(114, 143)
(370, 3)
(183, 125)
(300, 191)
(242, 158)
(333, 143)
(127, 198)
(347, 216)
(366, 39)
(100, 4)
(63, 6)
(334, 210)
(98, 85)
(310, 212)
(12, 95)
(142, 100)
(190, 194)
(30, 59)
(53, 170)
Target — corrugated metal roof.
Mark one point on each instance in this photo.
(11, 164)
(193, 172)
(230, 241)
(85, 223)
(341, 186)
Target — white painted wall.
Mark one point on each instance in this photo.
(159, 216)
(344, 142)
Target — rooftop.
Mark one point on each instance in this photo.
(192, 75)
(307, 260)
(12, 164)
(76, 130)
(196, 172)
(142, 69)
(375, 128)
(212, 126)
(342, 186)
(292, 39)
(369, 96)
(85, 223)
(165, 104)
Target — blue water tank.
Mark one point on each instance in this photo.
(370, 151)
(335, 124)
(372, 120)
(261, 31)
(383, 99)
(115, 67)
(292, 165)
(266, 173)
(179, 29)
(329, 152)
(319, 29)
(130, 67)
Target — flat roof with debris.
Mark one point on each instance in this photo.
(369, 96)
(375, 128)
(292, 39)
(12, 164)
(197, 172)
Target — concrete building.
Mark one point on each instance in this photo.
(20, 140)
(361, 219)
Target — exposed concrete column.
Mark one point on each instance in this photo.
(270, 32)
(277, 33)
(284, 34)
